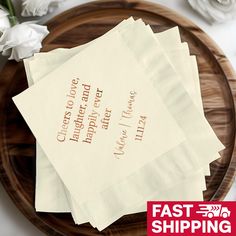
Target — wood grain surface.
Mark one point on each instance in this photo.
(81, 25)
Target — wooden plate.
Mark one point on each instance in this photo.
(81, 25)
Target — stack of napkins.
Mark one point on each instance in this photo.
(118, 121)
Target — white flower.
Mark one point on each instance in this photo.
(215, 10)
(38, 7)
(4, 21)
(22, 40)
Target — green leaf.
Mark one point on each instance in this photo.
(11, 10)
(3, 3)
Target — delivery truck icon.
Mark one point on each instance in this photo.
(213, 210)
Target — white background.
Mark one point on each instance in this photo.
(12, 222)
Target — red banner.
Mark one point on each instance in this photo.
(191, 218)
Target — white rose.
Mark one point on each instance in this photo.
(22, 40)
(215, 10)
(4, 21)
(38, 7)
